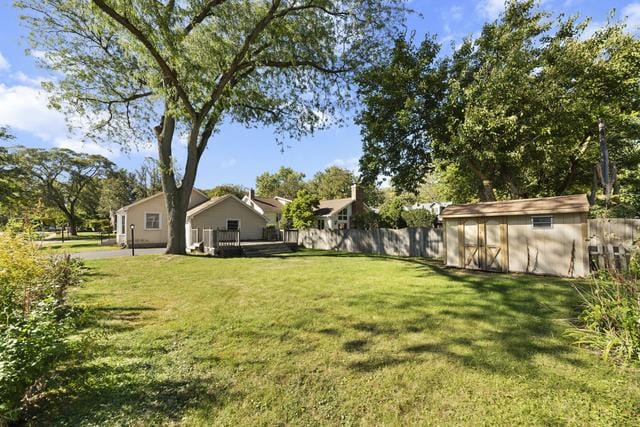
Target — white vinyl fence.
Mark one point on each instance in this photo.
(418, 242)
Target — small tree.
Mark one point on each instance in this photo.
(299, 212)
(391, 213)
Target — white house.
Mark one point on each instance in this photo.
(336, 214)
(270, 207)
(149, 218)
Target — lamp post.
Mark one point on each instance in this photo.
(133, 242)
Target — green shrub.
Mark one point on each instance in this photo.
(610, 320)
(35, 318)
(368, 220)
(419, 218)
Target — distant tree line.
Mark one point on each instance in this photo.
(56, 187)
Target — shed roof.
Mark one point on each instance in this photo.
(546, 205)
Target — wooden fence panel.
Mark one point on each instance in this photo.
(417, 242)
(610, 242)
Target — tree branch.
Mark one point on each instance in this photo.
(168, 73)
(304, 63)
(206, 11)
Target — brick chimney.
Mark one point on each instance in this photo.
(251, 194)
(357, 195)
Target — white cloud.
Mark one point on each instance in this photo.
(352, 164)
(40, 54)
(490, 9)
(25, 108)
(229, 163)
(4, 64)
(83, 147)
(632, 13)
(31, 81)
(455, 13)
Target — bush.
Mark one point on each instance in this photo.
(368, 220)
(610, 320)
(419, 218)
(36, 319)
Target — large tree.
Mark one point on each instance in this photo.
(64, 178)
(521, 103)
(181, 68)
(332, 183)
(285, 182)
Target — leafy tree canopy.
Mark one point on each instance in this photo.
(332, 183)
(299, 212)
(64, 178)
(237, 190)
(513, 113)
(286, 183)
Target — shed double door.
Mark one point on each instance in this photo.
(484, 244)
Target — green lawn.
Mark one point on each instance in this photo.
(75, 246)
(325, 338)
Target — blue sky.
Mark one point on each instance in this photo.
(235, 154)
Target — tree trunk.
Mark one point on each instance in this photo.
(607, 181)
(71, 218)
(486, 191)
(594, 187)
(177, 206)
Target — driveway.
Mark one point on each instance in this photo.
(118, 253)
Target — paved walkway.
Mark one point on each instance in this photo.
(118, 253)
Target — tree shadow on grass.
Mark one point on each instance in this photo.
(498, 323)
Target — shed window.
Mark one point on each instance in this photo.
(542, 221)
(342, 215)
(233, 224)
(152, 221)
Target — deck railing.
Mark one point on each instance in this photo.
(194, 236)
(214, 239)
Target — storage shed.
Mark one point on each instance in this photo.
(541, 236)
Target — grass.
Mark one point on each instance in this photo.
(75, 246)
(82, 235)
(326, 338)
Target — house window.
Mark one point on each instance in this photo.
(152, 221)
(542, 221)
(342, 215)
(123, 224)
(321, 224)
(233, 224)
